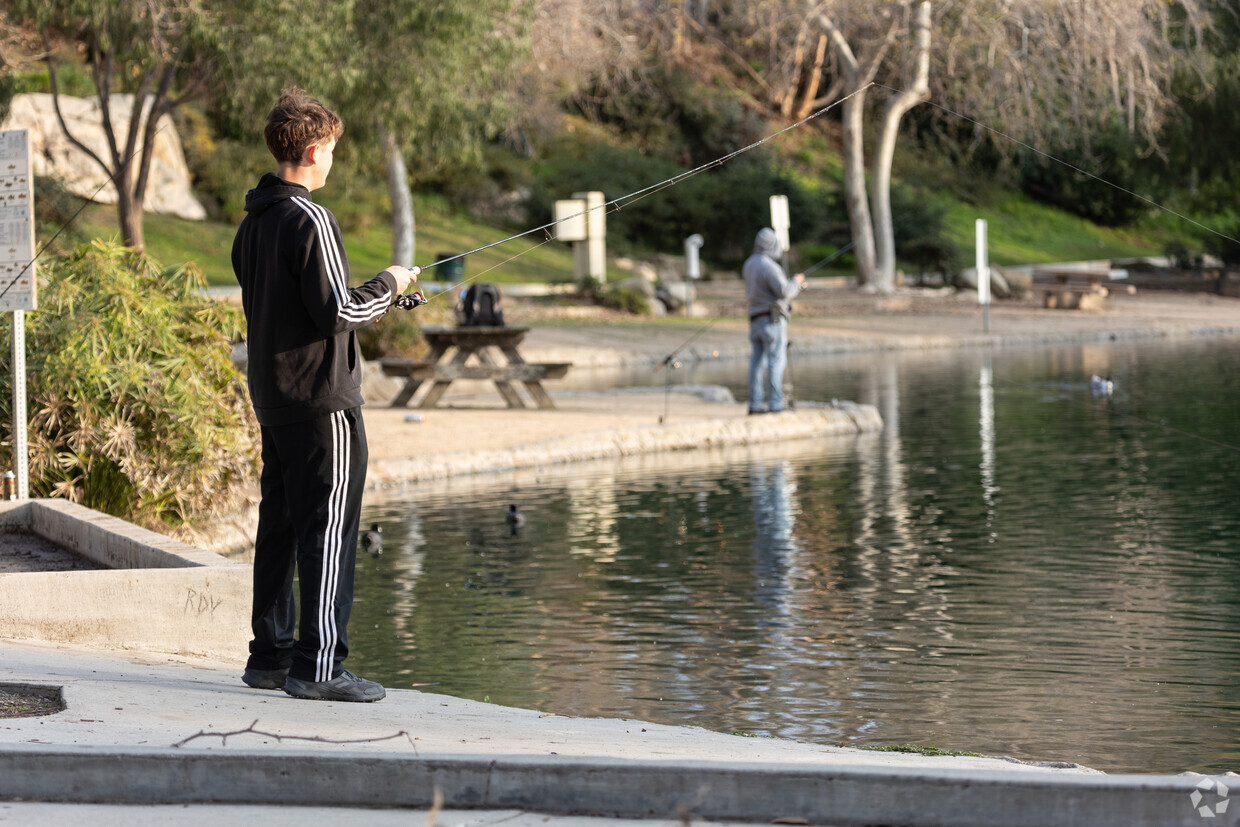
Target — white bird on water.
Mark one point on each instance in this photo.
(1101, 387)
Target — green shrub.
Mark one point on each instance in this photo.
(1103, 197)
(135, 407)
(626, 299)
(1222, 244)
(614, 296)
(398, 334)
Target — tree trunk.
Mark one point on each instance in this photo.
(403, 224)
(884, 226)
(129, 212)
(855, 197)
(857, 79)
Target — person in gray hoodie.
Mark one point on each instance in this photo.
(770, 293)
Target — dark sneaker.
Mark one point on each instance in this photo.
(344, 687)
(265, 678)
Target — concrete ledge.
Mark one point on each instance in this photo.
(156, 594)
(615, 443)
(103, 539)
(603, 787)
(201, 611)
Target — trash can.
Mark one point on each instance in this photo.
(450, 271)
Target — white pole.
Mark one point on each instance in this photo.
(20, 450)
(19, 293)
(781, 223)
(693, 269)
(983, 274)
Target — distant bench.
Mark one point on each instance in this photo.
(1069, 289)
(476, 342)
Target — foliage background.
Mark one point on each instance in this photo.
(135, 406)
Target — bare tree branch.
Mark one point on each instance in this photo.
(252, 729)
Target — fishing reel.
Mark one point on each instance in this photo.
(409, 301)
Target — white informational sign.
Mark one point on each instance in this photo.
(780, 221)
(590, 254)
(17, 273)
(570, 219)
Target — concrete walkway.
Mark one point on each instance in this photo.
(142, 730)
(153, 739)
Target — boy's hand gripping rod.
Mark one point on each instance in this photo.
(409, 301)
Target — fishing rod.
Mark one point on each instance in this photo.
(829, 258)
(617, 204)
(670, 359)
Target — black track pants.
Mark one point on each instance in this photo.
(312, 480)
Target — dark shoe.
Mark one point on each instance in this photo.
(265, 678)
(344, 687)
(755, 413)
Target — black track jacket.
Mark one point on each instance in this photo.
(304, 360)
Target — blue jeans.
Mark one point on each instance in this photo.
(770, 351)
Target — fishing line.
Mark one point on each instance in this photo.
(1070, 166)
(841, 251)
(626, 200)
(670, 358)
(617, 204)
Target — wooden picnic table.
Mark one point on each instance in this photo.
(1072, 288)
(451, 349)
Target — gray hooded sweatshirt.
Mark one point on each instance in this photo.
(766, 287)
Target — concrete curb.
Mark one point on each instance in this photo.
(603, 787)
(109, 541)
(155, 593)
(623, 442)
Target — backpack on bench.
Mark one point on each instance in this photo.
(480, 306)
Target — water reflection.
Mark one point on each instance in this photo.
(1013, 566)
(775, 547)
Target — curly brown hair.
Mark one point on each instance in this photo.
(298, 121)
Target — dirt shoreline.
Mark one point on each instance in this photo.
(826, 320)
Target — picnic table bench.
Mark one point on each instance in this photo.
(1072, 289)
(463, 342)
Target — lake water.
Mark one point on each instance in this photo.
(1013, 566)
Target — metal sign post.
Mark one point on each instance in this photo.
(17, 278)
(20, 447)
(983, 274)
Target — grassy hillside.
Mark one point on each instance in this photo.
(173, 241)
(1021, 231)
